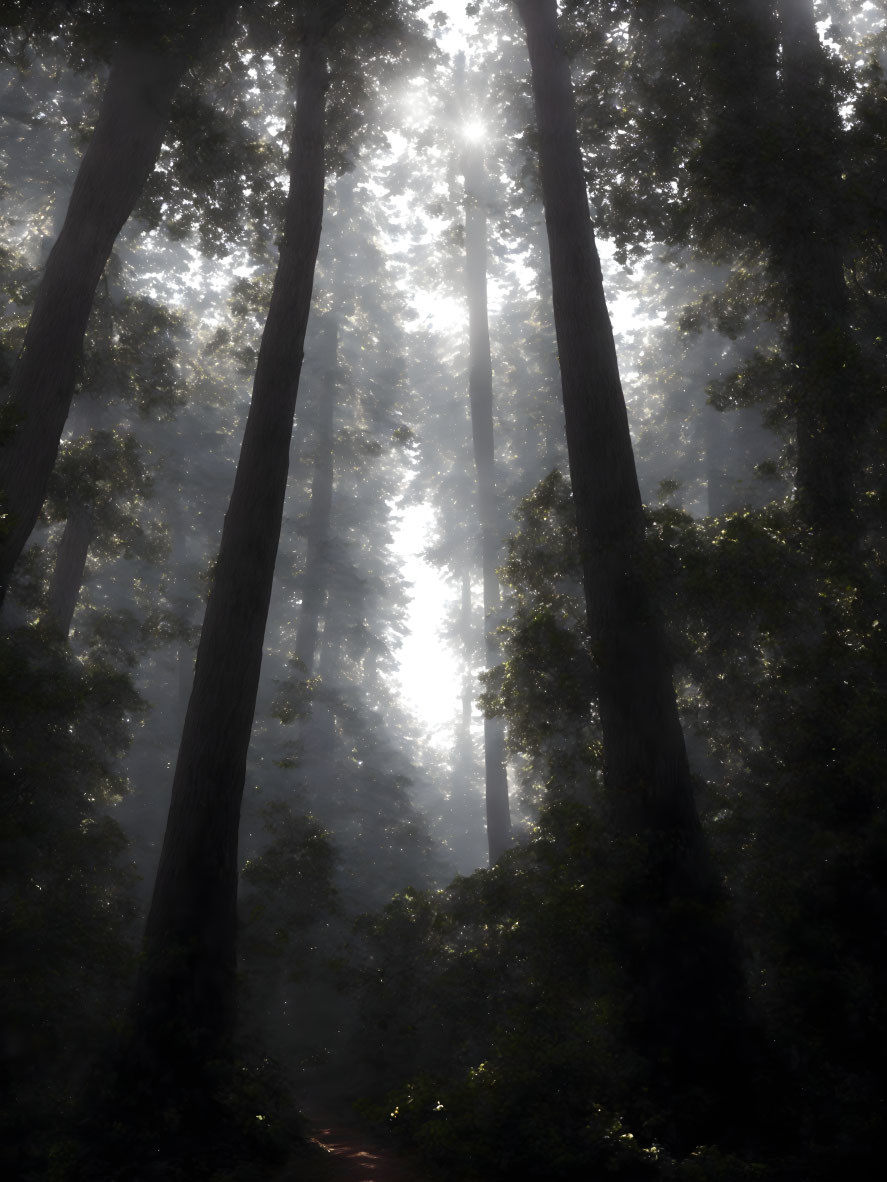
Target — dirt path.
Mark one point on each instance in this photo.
(353, 1155)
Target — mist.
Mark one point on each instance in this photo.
(576, 313)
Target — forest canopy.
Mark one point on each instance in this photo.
(443, 492)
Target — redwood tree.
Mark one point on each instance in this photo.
(314, 588)
(772, 161)
(147, 66)
(807, 243)
(480, 392)
(681, 956)
(185, 994)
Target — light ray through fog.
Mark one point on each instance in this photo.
(428, 671)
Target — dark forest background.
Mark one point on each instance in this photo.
(312, 290)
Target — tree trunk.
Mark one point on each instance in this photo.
(123, 150)
(319, 515)
(464, 743)
(716, 440)
(319, 730)
(770, 75)
(465, 811)
(70, 563)
(185, 996)
(807, 247)
(180, 601)
(480, 389)
(644, 747)
(679, 954)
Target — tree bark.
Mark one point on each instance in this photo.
(716, 439)
(122, 153)
(807, 246)
(646, 763)
(480, 390)
(320, 513)
(70, 564)
(679, 954)
(319, 730)
(185, 996)
(180, 600)
(778, 138)
(463, 742)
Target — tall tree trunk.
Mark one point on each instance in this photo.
(181, 603)
(122, 153)
(463, 742)
(778, 136)
(465, 810)
(185, 995)
(807, 247)
(681, 957)
(716, 438)
(319, 731)
(70, 563)
(644, 746)
(320, 513)
(480, 389)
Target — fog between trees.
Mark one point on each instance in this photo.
(597, 289)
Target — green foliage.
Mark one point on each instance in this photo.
(217, 177)
(497, 1013)
(785, 686)
(503, 1000)
(287, 902)
(292, 700)
(19, 285)
(68, 901)
(507, 1001)
(104, 473)
(545, 686)
(240, 1123)
(292, 877)
(131, 351)
(91, 28)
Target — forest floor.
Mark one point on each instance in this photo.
(352, 1154)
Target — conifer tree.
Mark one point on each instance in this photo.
(776, 132)
(94, 475)
(314, 588)
(480, 392)
(185, 994)
(691, 984)
(150, 57)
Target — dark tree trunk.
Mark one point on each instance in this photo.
(464, 741)
(680, 955)
(716, 438)
(644, 746)
(319, 731)
(70, 563)
(185, 994)
(319, 515)
(778, 135)
(181, 600)
(807, 247)
(465, 807)
(480, 389)
(123, 150)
